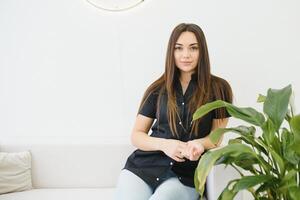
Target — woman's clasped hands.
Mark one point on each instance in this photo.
(179, 151)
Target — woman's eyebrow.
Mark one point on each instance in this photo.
(189, 45)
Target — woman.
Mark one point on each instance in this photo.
(164, 163)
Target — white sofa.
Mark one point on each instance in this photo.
(65, 170)
(78, 170)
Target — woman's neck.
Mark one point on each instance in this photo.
(185, 77)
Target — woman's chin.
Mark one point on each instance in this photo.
(187, 69)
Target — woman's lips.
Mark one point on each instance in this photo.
(186, 63)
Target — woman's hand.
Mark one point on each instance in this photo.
(194, 150)
(175, 149)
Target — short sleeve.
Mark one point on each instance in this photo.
(224, 93)
(215, 115)
(148, 108)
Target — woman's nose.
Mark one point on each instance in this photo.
(186, 53)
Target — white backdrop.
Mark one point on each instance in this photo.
(68, 69)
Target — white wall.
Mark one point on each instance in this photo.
(70, 70)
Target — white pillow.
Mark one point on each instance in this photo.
(15, 172)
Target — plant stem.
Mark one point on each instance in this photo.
(261, 170)
(270, 194)
(298, 178)
(251, 190)
(241, 174)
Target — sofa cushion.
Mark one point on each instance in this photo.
(61, 194)
(15, 172)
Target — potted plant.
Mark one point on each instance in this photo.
(268, 161)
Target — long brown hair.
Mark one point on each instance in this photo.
(208, 86)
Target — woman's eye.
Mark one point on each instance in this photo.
(194, 48)
(178, 48)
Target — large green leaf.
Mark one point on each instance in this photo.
(294, 193)
(274, 144)
(247, 135)
(208, 160)
(206, 108)
(266, 186)
(268, 131)
(250, 181)
(292, 110)
(245, 182)
(227, 193)
(295, 127)
(278, 160)
(276, 104)
(235, 140)
(289, 176)
(248, 114)
(216, 134)
(245, 161)
(288, 151)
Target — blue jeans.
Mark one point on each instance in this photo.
(132, 187)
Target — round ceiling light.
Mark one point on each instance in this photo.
(115, 5)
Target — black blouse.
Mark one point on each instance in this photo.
(154, 166)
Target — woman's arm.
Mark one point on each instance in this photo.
(196, 147)
(217, 123)
(141, 140)
(139, 135)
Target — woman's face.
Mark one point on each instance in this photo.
(186, 52)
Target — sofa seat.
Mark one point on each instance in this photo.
(83, 168)
(62, 194)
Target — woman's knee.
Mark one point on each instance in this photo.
(131, 187)
(174, 189)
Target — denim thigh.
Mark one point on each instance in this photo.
(132, 187)
(173, 189)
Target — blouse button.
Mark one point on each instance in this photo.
(180, 123)
(171, 163)
(157, 179)
(179, 178)
(182, 103)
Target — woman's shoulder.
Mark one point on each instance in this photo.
(152, 93)
(221, 88)
(216, 80)
(156, 87)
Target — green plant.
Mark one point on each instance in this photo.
(268, 163)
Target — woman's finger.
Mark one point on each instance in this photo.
(181, 154)
(183, 151)
(196, 152)
(191, 151)
(178, 159)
